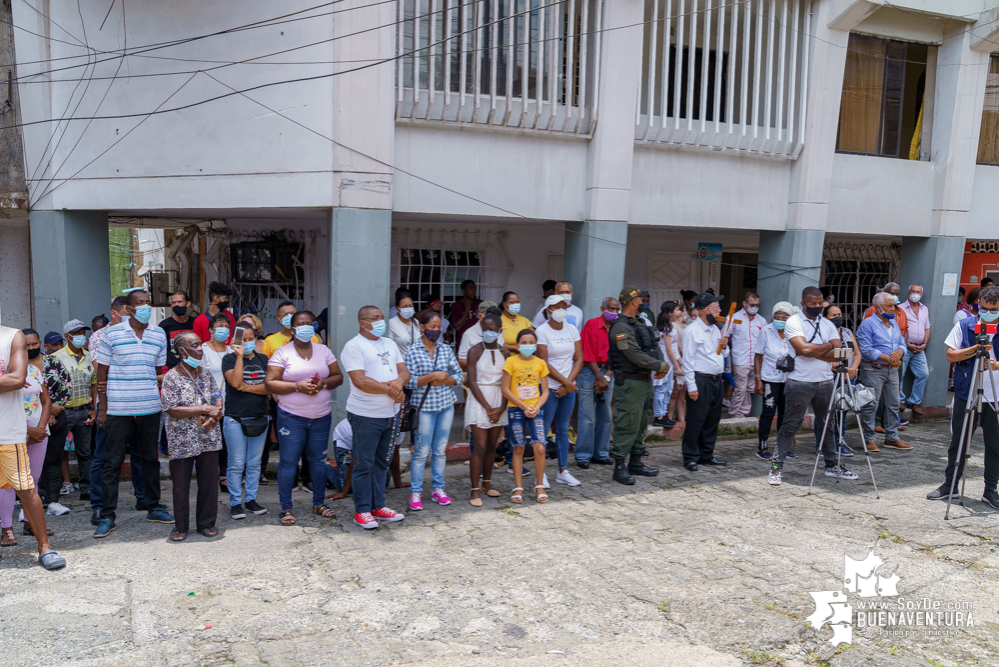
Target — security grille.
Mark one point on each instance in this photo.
(855, 271)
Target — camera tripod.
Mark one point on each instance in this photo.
(843, 399)
(972, 411)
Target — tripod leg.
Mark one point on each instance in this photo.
(965, 432)
(822, 440)
(867, 453)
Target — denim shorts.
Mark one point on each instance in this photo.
(522, 426)
(335, 477)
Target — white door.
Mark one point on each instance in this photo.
(668, 276)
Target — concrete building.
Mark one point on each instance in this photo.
(333, 153)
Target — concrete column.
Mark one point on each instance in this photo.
(594, 262)
(70, 267)
(594, 250)
(789, 262)
(925, 261)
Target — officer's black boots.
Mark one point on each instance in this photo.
(636, 467)
(621, 475)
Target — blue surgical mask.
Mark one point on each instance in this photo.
(778, 325)
(143, 313)
(221, 334)
(896, 300)
(286, 321)
(887, 316)
(304, 332)
(528, 350)
(407, 312)
(514, 308)
(378, 328)
(987, 316)
(248, 348)
(192, 362)
(79, 342)
(490, 336)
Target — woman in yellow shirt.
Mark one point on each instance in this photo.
(513, 321)
(525, 387)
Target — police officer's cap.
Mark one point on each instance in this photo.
(630, 293)
(705, 299)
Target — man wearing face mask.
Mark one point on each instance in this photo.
(218, 296)
(573, 316)
(881, 347)
(284, 312)
(129, 357)
(595, 391)
(918, 316)
(746, 326)
(180, 304)
(702, 372)
(80, 410)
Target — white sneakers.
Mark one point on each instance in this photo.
(544, 480)
(57, 509)
(567, 478)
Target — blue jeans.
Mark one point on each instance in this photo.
(372, 437)
(557, 411)
(525, 430)
(661, 394)
(296, 435)
(97, 469)
(435, 427)
(244, 453)
(594, 419)
(920, 374)
(337, 477)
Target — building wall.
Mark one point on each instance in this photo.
(15, 273)
(880, 195)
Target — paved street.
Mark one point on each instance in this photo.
(707, 568)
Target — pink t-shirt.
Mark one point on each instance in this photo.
(297, 369)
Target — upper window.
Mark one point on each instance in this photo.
(988, 142)
(884, 86)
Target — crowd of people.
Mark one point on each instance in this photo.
(215, 396)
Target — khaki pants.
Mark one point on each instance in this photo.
(742, 397)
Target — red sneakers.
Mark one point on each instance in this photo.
(385, 514)
(365, 521)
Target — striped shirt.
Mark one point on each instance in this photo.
(132, 389)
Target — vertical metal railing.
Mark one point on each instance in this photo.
(528, 64)
(725, 74)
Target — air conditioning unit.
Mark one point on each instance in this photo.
(161, 286)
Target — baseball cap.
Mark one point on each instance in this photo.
(555, 298)
(705, 299)
(486, 305)
(73, 325)
(629, 293)
(51, 338)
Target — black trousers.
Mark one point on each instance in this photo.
(207, 509)
(51, 480)
(147, 430)
(773, 404)
(703, 416)
(990, 430)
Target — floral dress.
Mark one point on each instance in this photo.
(186, 438)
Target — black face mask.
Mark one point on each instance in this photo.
(180, 311)
(837, 321)
(433, 335)
(711, 319)
(33, 354)
(813, 312)
(223, 305)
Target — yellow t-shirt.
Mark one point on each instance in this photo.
(276, 340)
(525, 377)
(511, 329)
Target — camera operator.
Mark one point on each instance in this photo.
(881, 348)
(962, 346)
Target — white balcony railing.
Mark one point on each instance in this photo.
(529, 64)
(725, 75)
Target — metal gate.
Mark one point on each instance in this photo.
(855, 271)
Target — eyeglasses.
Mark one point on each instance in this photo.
(992, 311)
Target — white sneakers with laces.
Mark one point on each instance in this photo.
(57, 509)
(567, 478)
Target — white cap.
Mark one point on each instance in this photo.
(555, 298)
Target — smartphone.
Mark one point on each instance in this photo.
(237, 337)
(315, 379)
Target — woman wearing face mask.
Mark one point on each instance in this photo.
(771, 345)
(560, 345)
(193, 404)
(213, 352)
(834, 314)
(525, 387)
(485, 411)
(433, 370)
(690, 313)
(512, 321)
(246, 421)
(59, 384)
(403, 328)
(669, 314)
(302, 375)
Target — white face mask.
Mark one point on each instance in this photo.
(559, 315)
(915, 297)
(567, 298)
(752, 310)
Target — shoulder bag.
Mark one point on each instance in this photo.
(785, 364)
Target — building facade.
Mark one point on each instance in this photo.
(332, 153)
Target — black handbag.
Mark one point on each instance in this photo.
(785, 364)
(253, 426)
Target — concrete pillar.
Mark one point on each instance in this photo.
(594, 262)
(70, 267)
(789, 262)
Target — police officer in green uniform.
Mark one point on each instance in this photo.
(634, 357)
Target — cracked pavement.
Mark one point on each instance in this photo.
(706, 568)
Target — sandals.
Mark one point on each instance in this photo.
(177, 536)
(27, 530)
(8, 539)
(287, 518)
(540, 497)
(491, 492)
(209, 532)
(323, 511)
(516, 497)
(475, 502)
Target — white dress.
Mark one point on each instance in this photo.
(489, 377)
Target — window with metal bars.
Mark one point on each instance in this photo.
(429, 274)
(854, 272)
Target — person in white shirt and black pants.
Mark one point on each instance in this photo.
(702, 371)
(810, 382)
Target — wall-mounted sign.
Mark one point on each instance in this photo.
(709, 252)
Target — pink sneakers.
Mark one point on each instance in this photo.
(415, 502)
(439, 496)
(385, 514)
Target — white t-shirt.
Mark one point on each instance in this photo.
(743, 335)
(807, 369)
(472, 336)
(561, 348)
(769, 343)
(960, 316)
(404, 335)
(379, 360)
(955, 341)
(212, 362)
(343, 436)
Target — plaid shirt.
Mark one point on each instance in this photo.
(418, 363)
(81, 372)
